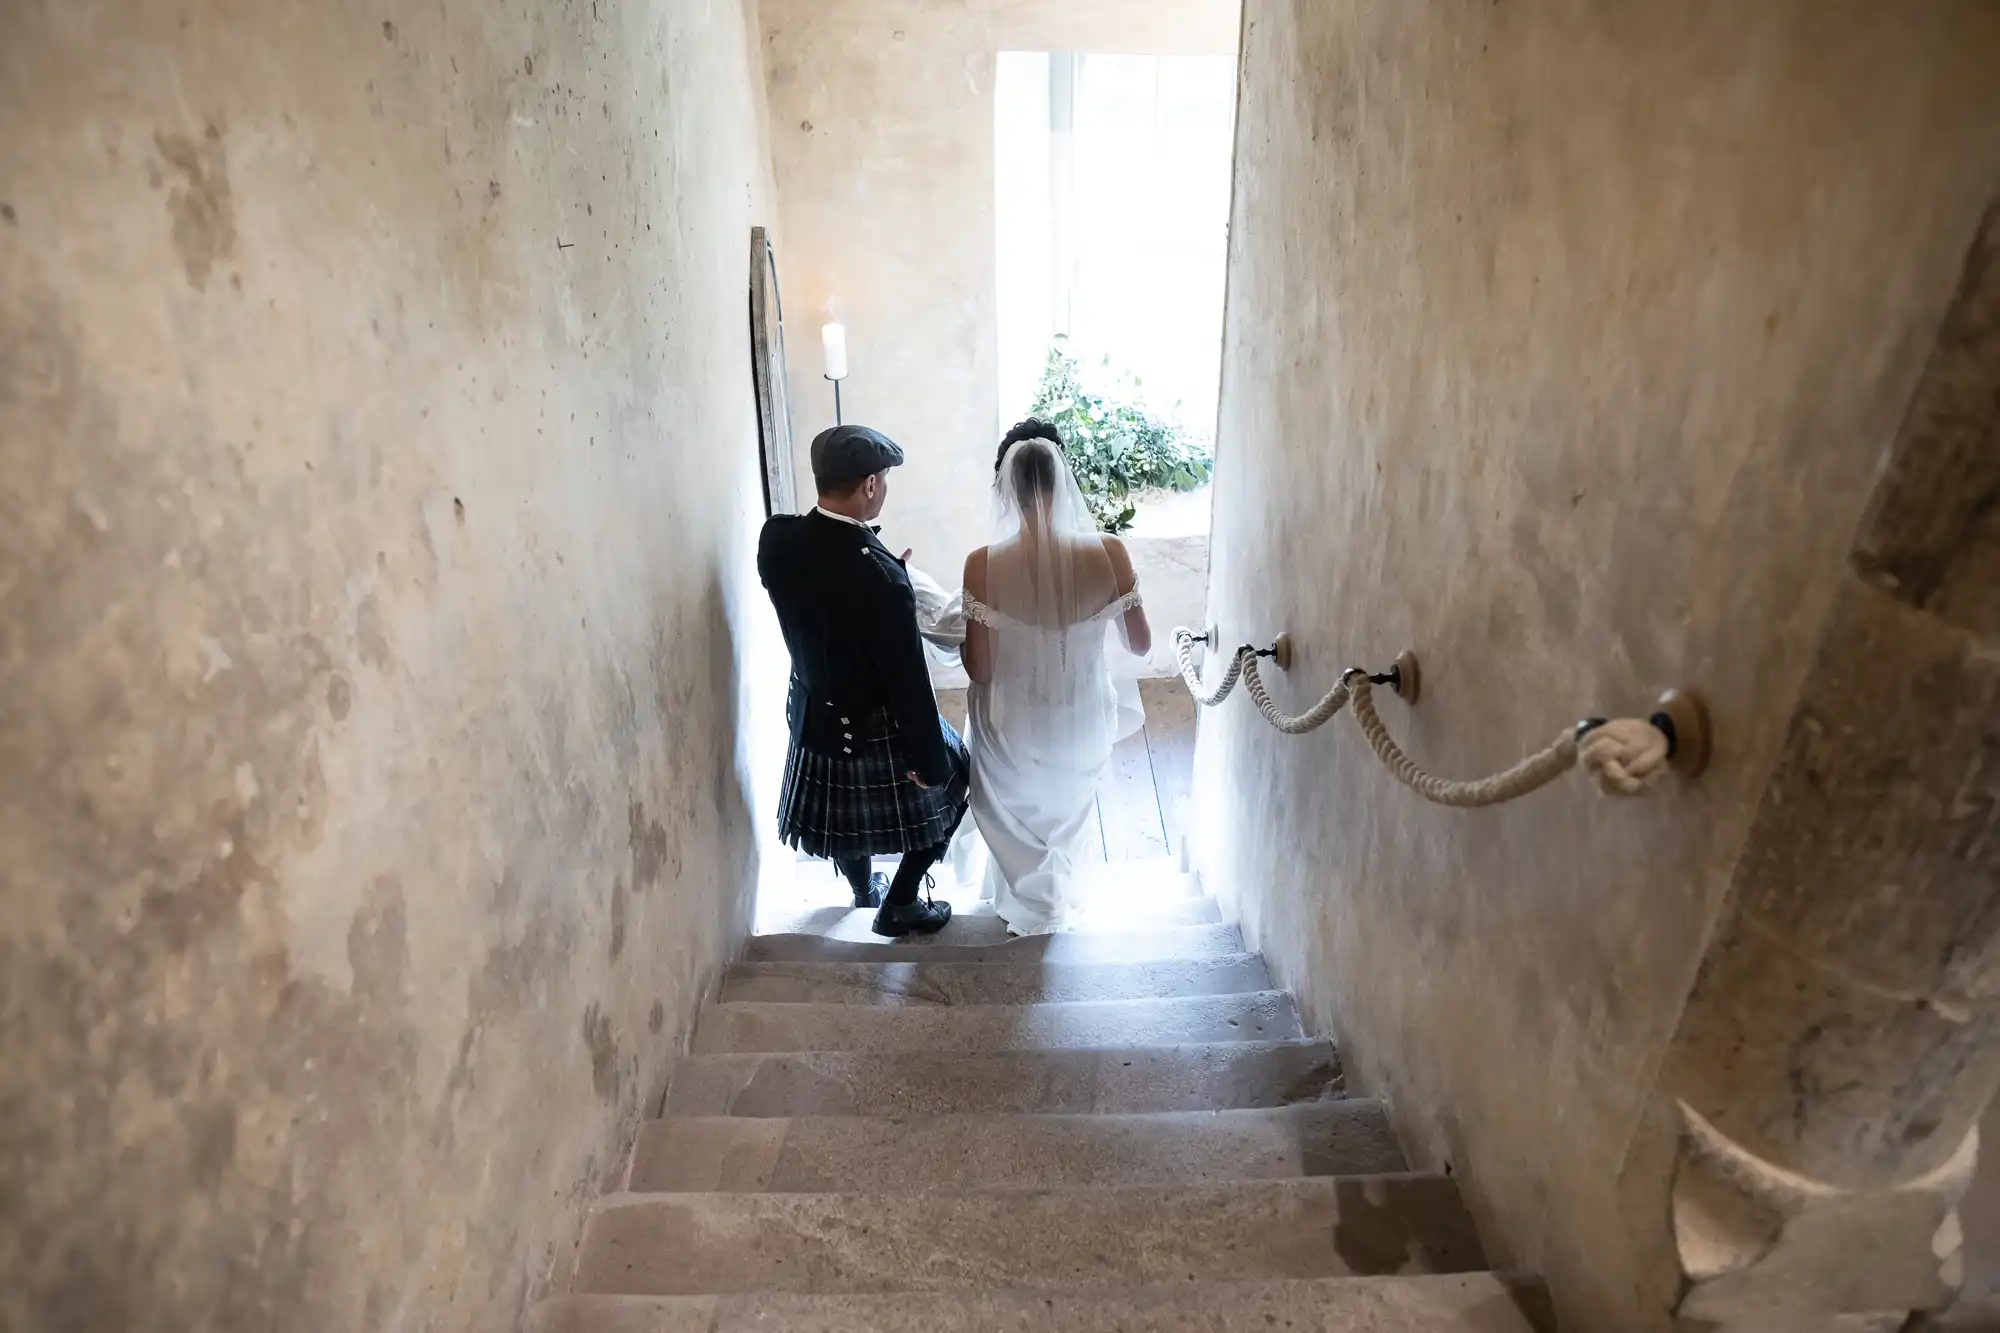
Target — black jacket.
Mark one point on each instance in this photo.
(850, 620)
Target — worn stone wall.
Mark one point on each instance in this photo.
(882, 142)
(1819, 1102)
(1564, 342)
(377, 486)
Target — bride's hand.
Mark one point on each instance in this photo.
(908, 551)
(912, 776)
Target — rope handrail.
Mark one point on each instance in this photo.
(1623, 755)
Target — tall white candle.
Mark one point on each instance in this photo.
(833, 342)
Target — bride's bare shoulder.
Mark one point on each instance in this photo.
(1121, 560)
(975, 569)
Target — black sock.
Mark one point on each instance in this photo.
(857, 870)
(910, 874)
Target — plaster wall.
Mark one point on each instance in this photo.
(378, 483)
(882, 145)
(1173, 576)
(1564, 342)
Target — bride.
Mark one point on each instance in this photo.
(1040, 602)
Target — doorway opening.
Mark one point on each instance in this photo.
(1111, 192)
(1111, 187)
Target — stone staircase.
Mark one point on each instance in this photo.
(1096, 1131)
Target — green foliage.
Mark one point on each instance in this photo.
(1114, 447)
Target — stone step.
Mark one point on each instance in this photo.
(697, 1244)
(1180, 942)
(750, 1026)
(954, 983)
(978, 926)
(816, 883)
(1213, 1077)
(831, 1154)
(1451, 1303)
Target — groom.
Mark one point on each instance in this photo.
(873, 769)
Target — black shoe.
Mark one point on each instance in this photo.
(925, 918)
(878, 884)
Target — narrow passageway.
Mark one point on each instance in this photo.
(394, 931)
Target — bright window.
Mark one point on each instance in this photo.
(1112, 182)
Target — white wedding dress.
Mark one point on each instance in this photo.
(1042, 729)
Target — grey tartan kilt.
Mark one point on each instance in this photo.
(864, 806)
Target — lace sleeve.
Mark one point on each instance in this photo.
(1131, 601)
(981, 612)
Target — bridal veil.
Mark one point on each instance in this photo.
(1044, 724)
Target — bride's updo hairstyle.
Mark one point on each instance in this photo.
(1034, 428)
(1034, 476)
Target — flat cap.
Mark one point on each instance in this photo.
(849, 453)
